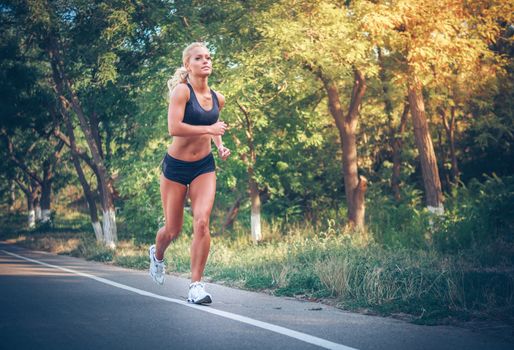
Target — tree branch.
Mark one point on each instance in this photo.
(81, 153)
(18, 162)
(22, 186)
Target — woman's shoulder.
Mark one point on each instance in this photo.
(182, 87)
(221, 98)
(181, 90)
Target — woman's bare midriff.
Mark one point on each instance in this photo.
(190, 148)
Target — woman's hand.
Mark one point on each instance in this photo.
(218, 128)
(223, 152)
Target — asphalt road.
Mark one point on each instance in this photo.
(58, 302)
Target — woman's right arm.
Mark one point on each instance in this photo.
(176, 126)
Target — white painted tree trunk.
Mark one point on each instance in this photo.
(256, 226)
(256, 210)
(38, 213)
(12, 196)
(109, 228)
(32, 218)
(435, 211)
(45, 215)
(97, 227)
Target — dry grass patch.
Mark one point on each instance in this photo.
(57, 243)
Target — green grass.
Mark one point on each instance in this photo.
(426, 284)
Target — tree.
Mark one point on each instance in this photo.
(32, 157)
(86, 46)
(432, 44)
(325, 39)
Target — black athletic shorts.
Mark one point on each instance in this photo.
(185, 172)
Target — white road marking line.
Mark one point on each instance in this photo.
(323, 343)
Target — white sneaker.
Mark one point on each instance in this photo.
(156, 268)
(198, 295)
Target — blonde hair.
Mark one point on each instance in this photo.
(181, 74)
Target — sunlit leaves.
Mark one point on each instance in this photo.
(318, 33)
(436, 38)
(107, 68)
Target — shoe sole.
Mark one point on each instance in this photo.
(205, 300)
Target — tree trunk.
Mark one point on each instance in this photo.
(93, 123)
(453, 153)
(255, 220)
(355, 185)
(30, 195)
(42, 206)
(64, 87)
(430, 173)
(232, 215)
(12, 195)
(449, 127)
(108, 139)
(34, 181)
(441, 158)
(47, 180)
(256, 211)
(31, 220)
(46, 193)
(37, 209)
(36, 196)
(91, 203)
(397, 141)
(108, 210)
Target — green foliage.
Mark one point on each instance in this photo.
(142, 207)
(317, 33)
(120, 54)
(425, 283)
(477, 215)
(403, 224)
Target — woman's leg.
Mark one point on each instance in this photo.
(201, 191)
(172, 196)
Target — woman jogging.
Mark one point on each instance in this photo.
(193, 122)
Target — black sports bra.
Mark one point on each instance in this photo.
(194, 113)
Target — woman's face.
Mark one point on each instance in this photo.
(199, 63)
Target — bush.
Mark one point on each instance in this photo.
(392, 224)
(477, 215)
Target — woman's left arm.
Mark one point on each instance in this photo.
(223, 151)
(217, 141)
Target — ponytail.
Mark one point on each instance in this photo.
(180, 76)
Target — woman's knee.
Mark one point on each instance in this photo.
(171, 232)
(201, 225)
